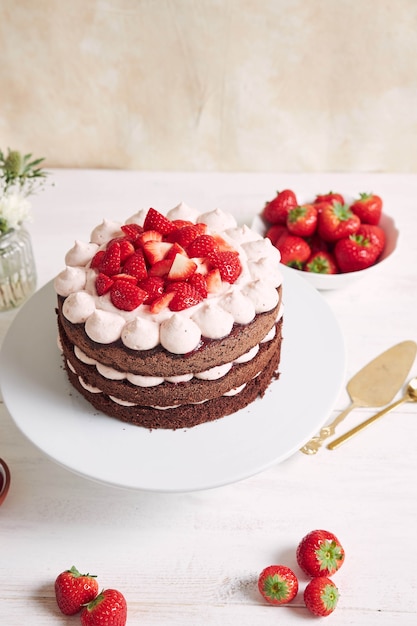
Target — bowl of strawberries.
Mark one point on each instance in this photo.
(332, 240)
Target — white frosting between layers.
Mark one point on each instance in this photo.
(213, 373)
(253, 292)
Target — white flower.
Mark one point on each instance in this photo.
(14, 209)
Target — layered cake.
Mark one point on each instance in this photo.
(168, 321)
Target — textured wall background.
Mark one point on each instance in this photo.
(274, 85)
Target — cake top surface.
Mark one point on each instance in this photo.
(168, 279)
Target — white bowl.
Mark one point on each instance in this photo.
(338, 281)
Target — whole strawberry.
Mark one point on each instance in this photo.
(109, 608)
(331, 197)
(321, 596)
(356, 252)
(336, 221)
(302, 220)
(320, 553)
(73, 590)
(294, 251)
(278, 584)
(368, 207)
(276, 211)
(321, 262)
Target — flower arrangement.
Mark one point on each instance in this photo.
(20, 177)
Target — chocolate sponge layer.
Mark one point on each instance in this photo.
(167, 394)
(187, 415)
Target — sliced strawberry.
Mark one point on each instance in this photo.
(133, 231)
(110, 263)
(199, 282)
(103, 284)
(156, 221)
(149, 235)
(202, 246)
(222, 244)
(182, 223)
(176, 249)
(184, 236)
(203, 265)
(214, 281)
(175, 285)
(162, 303)
(122, 276)
(97, 259)
(156, 250)
(185, 297)
(228, 264)
(154, 287)
(201, 227)
(181, 268)
(126, 249)
(126, 296)
(136, 265)
(160, 268)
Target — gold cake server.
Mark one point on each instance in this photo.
(374, 385)
(410, 395)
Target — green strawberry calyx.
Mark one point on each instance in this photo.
(276, 588)
(74, 571)
(365, 196)
(342, 211)
(297, 213)
(360, 240)
(90, 606)
(329, 596)
(329, 555)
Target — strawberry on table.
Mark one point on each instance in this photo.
(302, 220)
(320, 553)
(368, 207)
(321, 262)
(321, 596)
(294, 251)
(109, 608)
(336, 221)
(73, 590)
(276, 211)
(355, 253)
(278, 584)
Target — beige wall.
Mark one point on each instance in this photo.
(274, 85)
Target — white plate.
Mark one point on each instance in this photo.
(56, 419)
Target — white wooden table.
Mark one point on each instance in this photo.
(193, 559)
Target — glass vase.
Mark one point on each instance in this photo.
(17, 268)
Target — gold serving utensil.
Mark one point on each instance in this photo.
(4, 480)
(374, 385)
(409, 396)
